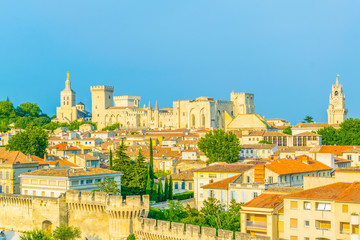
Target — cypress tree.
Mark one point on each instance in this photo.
(139, 180)
(171, 189)
(111, 159)
(122, 163)
(160, 192)
(166, 196)
(151, 160)
(154, 195)
(148, 183)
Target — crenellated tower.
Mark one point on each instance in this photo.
(337, 111)
(243, 103)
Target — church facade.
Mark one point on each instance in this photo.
(203, 112)
(337, 111)
(68, 110)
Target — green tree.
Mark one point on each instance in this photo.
(265, 142)
(171, 188)
(122, 163)
(148, 183)
(330, 136)
(288, 130)
(111, 158)
(151, 162)
(35, 234)
(108, 186)
(140, 172)
(154, 193)
(7, 110)
(23, 122)
(33, 141)
(175, 211)
(131, 237)
(166, 192)
(308, 119)
(160, 191)
(64, 232)
(28, 110)
(111, 127)
(220, 146)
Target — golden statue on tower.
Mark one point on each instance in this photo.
(68, 76)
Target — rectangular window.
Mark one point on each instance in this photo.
(98, 180)
(89, 181)
(212, 175)
(345, 208)
(307, 223)
(293, 204)
(7, 175)
(222, 175)
(190, 186)
(234, 196)
(323, 225)
(222, 195)
(34, 193)
(26, 192)
(344, 227)
(75, 183)
(201, 175)
(52, 194)
(81, 182)
(43, 194)
(211, 193)
(255, 194)
(243, 197)
(323, 206)
(307, 205)
(176, 185)
(293, 222)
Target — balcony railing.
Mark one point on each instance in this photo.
(256, 225)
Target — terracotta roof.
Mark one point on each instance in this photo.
(307, 134)
(315, 125)
(347, 170)
(87, 157)
(256, 133)
(231, 168)
(258, 146)
(341, 160)
(187, 175)
(342, 192)
(13, 157)
(352, 150)
(299, 165)
(276, 134)
(52, 172)
(64, 147)
(336, 150)
(284, 189)
(222, 184)
(265, 200)
(63, 163)
(191, 162)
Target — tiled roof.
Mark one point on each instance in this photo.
(69, 172)
(63, 163)
(352, 150)
(342, 192)
(276, 134)
(307, 134)
(265, 200)
(299, 165)
(12, 157)
(231, 168)
(255, 133)
(87, 157)
(187, 175)
(341, 160)
(336, 150)
(347, 170)
(284, 189)
(222, 184)
(64, 147)
(258, 146)
(192, 162)
(315, 125)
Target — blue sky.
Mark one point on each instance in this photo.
(288, 53)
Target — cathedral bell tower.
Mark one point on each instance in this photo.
(337, 111)
(67, 96)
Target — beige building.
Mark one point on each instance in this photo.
(54, 182)
(204, 112)
(12, 164)
(68, 110)
(337, 111)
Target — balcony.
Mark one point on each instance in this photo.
(354, 220)
(354, 237)
(256, 225)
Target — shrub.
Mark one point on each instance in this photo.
(184, 195)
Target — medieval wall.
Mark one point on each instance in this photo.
(151, 229)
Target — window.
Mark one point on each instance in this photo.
(190, 185)
(201, 195)
(248, 179)
(26, 192)
(212, 175)
(82, 182)
(222, 175)
(307, 205)
(211, 193)
(34, 193)
(293, 222)
(255, 194)
(293, 204)
(344, 227)
(1, 176)
(345, 208)
(183, 185)
(243, 197)
(52, 194)
(323, 206)
(43, 194)
(75, 183)
(222, 195)
(285, 178)
(234, 196)
(89, 181)
(323, 225)
(201, 175)
(271, 180)
(176, 185)
(7, 175)
(307, 223)
(349, 157)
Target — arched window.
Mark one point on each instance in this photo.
(193, 120)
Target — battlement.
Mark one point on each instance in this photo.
(102, 87)
(101, 198)
(156, 229)
(126, 97)
(241, 94)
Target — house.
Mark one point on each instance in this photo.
(86, 128)
(85, 160)
(183, 181)
(54, 182)
(63, 149)
(309, 139)
(12, 164)
(183, 165)
(190, 154)
(216, 172)
(257, 151)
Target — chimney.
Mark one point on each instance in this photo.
(211, 180)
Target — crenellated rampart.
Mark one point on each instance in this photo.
(151, 229)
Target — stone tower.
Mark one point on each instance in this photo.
(102, 98)
(243, 103)
(337, 111)
(67, 96)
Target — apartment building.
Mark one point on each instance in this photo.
(54, 182)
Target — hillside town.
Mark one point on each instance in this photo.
(285, 181)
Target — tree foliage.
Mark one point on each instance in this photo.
(35, 234)
(347, 134)
(288, 130)
(220, 146)
(111, 127)
(308, 119)
(108, 186)
(64, 232)
(33, 141)
(131, 237)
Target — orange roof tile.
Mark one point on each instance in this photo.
(299, 165)
(13, 157)
(222, 184)
(336, 150)
(265, 200)
(64, 147)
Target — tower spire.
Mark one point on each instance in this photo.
(149, 105)
(337, 80)
(67, 83)
(156, 106)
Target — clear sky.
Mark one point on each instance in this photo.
(286, 52)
